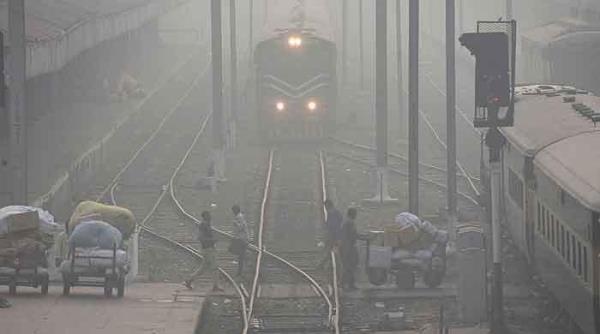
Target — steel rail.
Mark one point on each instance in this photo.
(112, 185)
(395, 155)
(111, 188)
(336, 307)
(402, 173)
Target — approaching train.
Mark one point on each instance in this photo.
(551, 170)
(296, 80)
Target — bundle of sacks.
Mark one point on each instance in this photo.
(96, 236)
(26, 233)
(411, 234)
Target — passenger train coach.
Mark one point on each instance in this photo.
(551, 170)
(296, 79)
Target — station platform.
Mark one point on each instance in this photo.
(149, 308)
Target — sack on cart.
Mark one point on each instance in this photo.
(95, 234)
(20, 218)
(118, 217)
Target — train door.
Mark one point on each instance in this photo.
(529, 219)
(531, 208)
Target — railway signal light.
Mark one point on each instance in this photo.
(493, 46)
(492, 80)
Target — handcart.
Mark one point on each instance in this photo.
(96, 268)
(29, 271)
(404, 264)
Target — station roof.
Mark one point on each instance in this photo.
(565, 32)
(563, 143)
(58, 30)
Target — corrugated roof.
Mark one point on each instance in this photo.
(564, 144)
(548, 34)
(575, 165)
(50, 24)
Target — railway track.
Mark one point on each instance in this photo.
(280, 208)
(144, 182)
(433, 176)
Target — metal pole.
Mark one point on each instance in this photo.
(217, 88)
(381, 84)
(495, 140)
(413, 117)
(361, 39)
(17, 112)
(509, 10)
(234, 74)
(251, 31)
(451, 114)
(345, 43)
(401, 108)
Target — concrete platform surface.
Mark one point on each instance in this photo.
(146, 308)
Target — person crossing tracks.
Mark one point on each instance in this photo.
(209, 264)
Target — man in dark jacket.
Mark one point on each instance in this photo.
(209, 264)
(333, 226)
(348, 250)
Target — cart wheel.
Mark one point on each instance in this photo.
(377, 276)
(121, 287)
(108, 291)
(405, 279)
(12, 288)
(45, 283)
(433, 278)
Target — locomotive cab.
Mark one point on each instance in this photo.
(296, 87)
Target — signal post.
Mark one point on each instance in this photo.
(493, 46)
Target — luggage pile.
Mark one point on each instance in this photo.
(26, 234)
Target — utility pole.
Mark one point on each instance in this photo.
(345, 43)
(361, 42)
(509, 10)
(250, 31)
(451, 115)
(401, 108)
(218, 154)
(381, 103)
(17, 113)
(234, 74)
(413, 116)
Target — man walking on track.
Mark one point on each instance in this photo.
(241, 236)
(209, 265)
(333, 226)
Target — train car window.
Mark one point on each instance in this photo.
(539, 217)
(585, 264)
(544, 221)
(568, 247)
(548, 225)
(579, 268)
(515, 188)
(562, 241)
(574, 257)
(552, 229)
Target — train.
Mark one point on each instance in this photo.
(296, 71)
(551, 193)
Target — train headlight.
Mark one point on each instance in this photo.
(312, 106)
(294, 42)
(280, 106)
